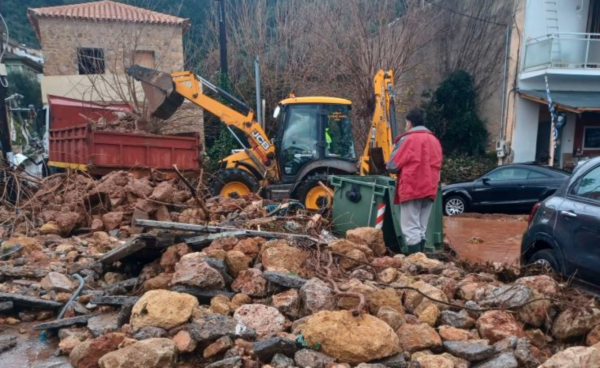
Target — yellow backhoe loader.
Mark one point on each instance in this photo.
(314, 139)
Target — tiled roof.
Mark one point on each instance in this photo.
(105, 10)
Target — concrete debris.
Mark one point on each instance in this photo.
(233, 287)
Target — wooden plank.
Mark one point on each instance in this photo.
(205, 240)
(65, 322)
(123, 285)
(29, 301)
(132, 246)
(214, 229)
(23, 272)
(6, 306)
(116, 301)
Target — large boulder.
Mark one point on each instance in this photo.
(575, 322)
(193, 270)
(370, 236)
(163, 309)
(418, 337)
(370, 337)
(576, 357)
(316, 296)
(87, 354)
(263, 319)
(151, 353)
(498, 325)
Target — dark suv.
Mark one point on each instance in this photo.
(564, 230)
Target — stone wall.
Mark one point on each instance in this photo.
(60, 39)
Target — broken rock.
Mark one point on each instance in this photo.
(263, 319)
(418, 337)
(151, 353)
(576, 357)
(311, 358)
(210, 327)
(370, 236)
(172, 255)
(250, 282)
(434, 361)
(184, 342)
(575, 322)
(392, 317)
(458, 320)
(163, 309)
(471, 351)
(237, 262)
(112, 220)
(284, 258)
(498, 325)
(316, 296)
(57, 282)
(87, 354)
(193, 270)
(288, 303)
(371, 338)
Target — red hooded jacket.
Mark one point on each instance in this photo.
(417, 159)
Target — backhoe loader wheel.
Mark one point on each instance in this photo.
(233, 183)
(312, 194)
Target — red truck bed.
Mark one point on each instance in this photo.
(73, 144)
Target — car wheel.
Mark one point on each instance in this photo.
(455, 205)
(547, 259)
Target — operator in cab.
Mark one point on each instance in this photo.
(417, 159)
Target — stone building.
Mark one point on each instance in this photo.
(88, 46)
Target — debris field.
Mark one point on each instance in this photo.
(127, 272)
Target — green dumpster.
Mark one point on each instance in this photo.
(357, 200)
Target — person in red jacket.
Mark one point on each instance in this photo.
(417, 159)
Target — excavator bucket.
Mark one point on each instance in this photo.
(159, 90)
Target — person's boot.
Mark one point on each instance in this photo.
(422, 245)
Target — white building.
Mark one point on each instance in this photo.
(560, 40)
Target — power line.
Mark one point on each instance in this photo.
(466, 15)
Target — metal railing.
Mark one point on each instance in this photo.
(563, 50)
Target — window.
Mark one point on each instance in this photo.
(90, 61)
(339, 141)
(144, 58)
(537, 175)
(589, 185)
(508, 174)
(591, 138)
(299, 143)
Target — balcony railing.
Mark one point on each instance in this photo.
(563, 51)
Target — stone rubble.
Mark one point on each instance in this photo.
(248, 301)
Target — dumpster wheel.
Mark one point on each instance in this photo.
(233, 183)
(312, 194)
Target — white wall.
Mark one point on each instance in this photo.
(569, 18)
(524, 137)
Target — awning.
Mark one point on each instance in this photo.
(576, 102)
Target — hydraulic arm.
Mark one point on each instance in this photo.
(383, 126)
(166, 92)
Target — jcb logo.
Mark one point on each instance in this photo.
(263, 142)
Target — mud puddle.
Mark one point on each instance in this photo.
(31, 351)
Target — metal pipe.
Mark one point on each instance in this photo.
(258, 97)
(504, 115)
(44, 334)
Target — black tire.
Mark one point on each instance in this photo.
(223, 177)
(455, 201)
(548, 258)
(309, 183)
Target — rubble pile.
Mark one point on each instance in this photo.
(237, 300)
(120, 122)
(63, 203)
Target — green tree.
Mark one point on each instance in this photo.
(452, 116)
(27, 87)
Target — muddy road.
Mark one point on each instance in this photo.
(486, 238)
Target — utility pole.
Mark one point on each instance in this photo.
(223, 46)
(4, 130)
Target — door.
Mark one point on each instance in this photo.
(299, 142)
(535, 187)
(501, 187)
(578, 227)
